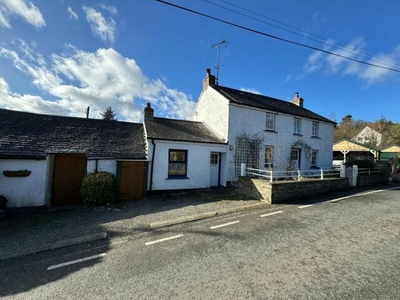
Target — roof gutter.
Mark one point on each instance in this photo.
(187, 141)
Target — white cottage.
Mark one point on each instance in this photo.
(368, 136)
(43, 158)
(183, 154)
(264, 132)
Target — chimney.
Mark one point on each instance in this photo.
(297, 100)
(148, 113)
(209, 80)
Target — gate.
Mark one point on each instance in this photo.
(68, 173)
(131, 175)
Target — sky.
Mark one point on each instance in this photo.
(61, 56)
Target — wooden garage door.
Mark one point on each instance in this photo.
(131, 182)
(68, 174)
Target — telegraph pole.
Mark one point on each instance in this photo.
(87, 110)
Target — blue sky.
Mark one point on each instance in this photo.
(60, 56)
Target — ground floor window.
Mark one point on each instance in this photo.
(177, 164)
(314, 155)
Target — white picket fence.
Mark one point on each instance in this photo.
(349, 172)
(289, 175)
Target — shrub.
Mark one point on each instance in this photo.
(98, 188)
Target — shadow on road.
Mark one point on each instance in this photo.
(32, 271)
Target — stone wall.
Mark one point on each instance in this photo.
(289, 191)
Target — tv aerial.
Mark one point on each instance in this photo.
(218, 45)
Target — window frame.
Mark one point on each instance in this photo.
(315, 130)
(171, 162)
(297, 126)
(314, 158)
(214, 158)
(268, 120)
(292, 151)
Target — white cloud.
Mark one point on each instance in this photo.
(78, 79)
(101, 28)
(22, 8)
(27, 102)
(372, 74)
(335, 65)
(72, 14)
(111, 9)
(317, 17)
(250, 90)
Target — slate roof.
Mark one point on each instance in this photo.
(268, 103)
(29, 135)
(180, 130)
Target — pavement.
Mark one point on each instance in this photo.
(36, 231)
(33, 232)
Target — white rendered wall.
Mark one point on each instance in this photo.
(198, 166)
(102, 166)
(24, 191)
(212, 110)
(252, 121)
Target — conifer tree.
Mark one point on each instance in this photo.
(108, 114)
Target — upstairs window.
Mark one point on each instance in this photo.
(296, 126)
(177, 164)
(270, 121)
(315, 129)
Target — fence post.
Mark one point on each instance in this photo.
(298, 175)
(242, 169)
(342, 171)
(271, 177)
(354, 175)
(322, 173)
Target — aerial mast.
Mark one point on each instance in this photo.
(217, 66)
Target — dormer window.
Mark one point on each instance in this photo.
(270, 121)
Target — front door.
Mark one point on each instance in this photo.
(295, 159)
(214, 169)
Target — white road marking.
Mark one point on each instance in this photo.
(273, 213)
(75, 261)
(223, 225)
(164, 239)
(362, 194)
(339, 199)
(305, 206)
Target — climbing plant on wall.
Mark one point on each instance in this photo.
(247, 150)
(307, 150)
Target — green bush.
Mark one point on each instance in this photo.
(98, 188)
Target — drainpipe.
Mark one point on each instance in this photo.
(152, 164)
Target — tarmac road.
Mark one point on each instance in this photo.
(347, 248)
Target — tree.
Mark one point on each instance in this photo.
(108, 114)
(348, 128)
